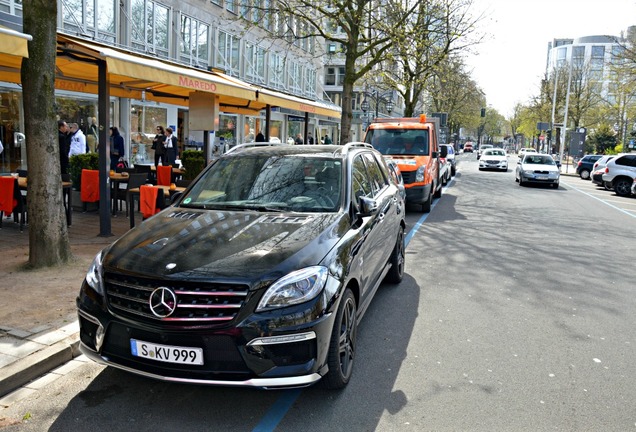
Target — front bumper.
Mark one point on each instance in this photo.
(285, 348)
(418, 194)
(498, 165)
(539, 178)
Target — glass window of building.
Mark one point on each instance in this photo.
(13, 156)
(246, 9)
(277, 68)
(341, 75)
(230, 5)
(330, 76)
(227, 130)
(267, 19)
(149, 27)
(93, 17)
(295, 77)
(227, 53)
(254, 63)
(561, 56)
(12, 7)
(310, 82)
(194, 41)
(144, 120)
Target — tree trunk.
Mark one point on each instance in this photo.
(347, 93)
(48, 233)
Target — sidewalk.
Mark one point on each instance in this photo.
(31, 347)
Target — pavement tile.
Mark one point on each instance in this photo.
(68, 367)
(18, 347)
(43, 381)
(6, 359)
(15, 396)
(19, 333)
(50, 337)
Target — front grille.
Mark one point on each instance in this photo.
(408, 177)
(197, 302)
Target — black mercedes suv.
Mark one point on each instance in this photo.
(256, 275)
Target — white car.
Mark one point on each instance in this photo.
(494, 158)
(620, 173)
(537, 168)
(524, 151)
(482, 149)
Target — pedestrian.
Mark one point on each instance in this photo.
(78, 141)
(310, 138)
(260, 137)
(171, 147)
(64, 141)
(159, 146)
(327, 139)
(92, 138)
(116, 147)
(299, 139)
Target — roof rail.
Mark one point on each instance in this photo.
(345, 148)
(239, 147)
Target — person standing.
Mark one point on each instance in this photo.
(260, 137)
(299, 139)
(116, 147)
(92, 138)
(158, 145)
(327, 139)
(171, 147)
(310, 138)
(78, 141)
(64, 141)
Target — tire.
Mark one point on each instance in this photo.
(342, 346)
(426, 206)
(555, 185)
(584, 174)
(520, 181)
(396, 273)
(623, 187)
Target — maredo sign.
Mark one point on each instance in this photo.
(196, 84)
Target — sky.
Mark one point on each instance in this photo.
(509, 64)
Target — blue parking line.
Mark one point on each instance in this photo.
(278, 411)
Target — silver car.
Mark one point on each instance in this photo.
(537, 168)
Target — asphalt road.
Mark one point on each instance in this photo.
(516, 314)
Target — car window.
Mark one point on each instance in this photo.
(376, 176)
(628, 160)
(537, 159)
(399, 141)
(361, 186)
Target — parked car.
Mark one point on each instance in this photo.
(537, 168)
(494, 158)
(585, 164)
(599, 169)
(257, 275)
(620, 173)
(448, 151)
(483, 148)
(634, 187)
(524, 151)
(468, 148)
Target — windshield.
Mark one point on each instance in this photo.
(494, 153)
(412, 142)
(538, 160)
(269, 183)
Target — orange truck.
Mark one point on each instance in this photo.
(413, 144)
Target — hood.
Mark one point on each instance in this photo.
(218, 244)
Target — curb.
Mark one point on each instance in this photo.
(21, 372)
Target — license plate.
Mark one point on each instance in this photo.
(166, 353)
(542, 177)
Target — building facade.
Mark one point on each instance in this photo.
(231, 37)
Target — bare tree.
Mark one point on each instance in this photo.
(423, 41)
(48, 234)
(361, 28)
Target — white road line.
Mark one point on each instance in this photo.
(628, 213)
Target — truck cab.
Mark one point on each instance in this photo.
(412, 143)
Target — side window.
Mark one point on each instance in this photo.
(631, 160)
(377, 175)
(359, 180)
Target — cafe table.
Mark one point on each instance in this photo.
(116, 179)
(133, 194)
(67, 196)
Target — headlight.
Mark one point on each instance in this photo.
(94, 277)
(297, 287)
(528, 172)
(419, 174)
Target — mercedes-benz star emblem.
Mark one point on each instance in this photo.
(163, 302)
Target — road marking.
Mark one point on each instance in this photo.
(601, 200)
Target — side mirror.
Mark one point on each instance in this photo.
(368, 206)
(443, 151)
(435, 155)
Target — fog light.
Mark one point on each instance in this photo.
(99, 337)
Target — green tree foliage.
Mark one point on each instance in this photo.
(603, 139)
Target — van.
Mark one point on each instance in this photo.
(412, 142)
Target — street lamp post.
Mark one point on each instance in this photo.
(388, 104)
